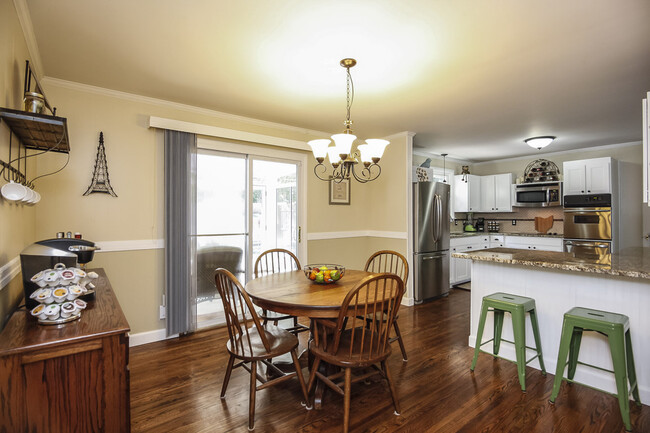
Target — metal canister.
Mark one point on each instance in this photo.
(68, 235)
(34, 102)
(59, 235)
(77, 235)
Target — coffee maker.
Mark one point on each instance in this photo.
(46, 254)
(480, 224)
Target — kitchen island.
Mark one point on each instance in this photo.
(618, 282)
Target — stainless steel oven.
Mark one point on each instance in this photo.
(538, 194)
(588, 223)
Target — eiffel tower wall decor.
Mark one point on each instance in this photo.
(100, 182)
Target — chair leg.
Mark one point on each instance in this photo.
(565, 340)
(346, 399)
(226, 379)
(617, 347)
(519, 331)
(631, 371)
(399, 340)
(251, 403)
(498, 327)
(312, 374)
(574, 350)
(538, 340)
(479, 334)
(301, 379)
(391, 387)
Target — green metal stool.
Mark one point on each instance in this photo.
(517, 306)
(617, 329)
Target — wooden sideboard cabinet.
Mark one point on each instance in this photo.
(72, 377)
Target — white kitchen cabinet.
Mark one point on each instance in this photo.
(534, 243)
(497, 241)
(467, 193)
(496, 192)
(460, 270)
(588, 176)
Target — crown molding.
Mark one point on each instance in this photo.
(439, 157)
(25, 20)
(177, 106)
(562, 152)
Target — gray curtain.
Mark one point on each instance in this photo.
(180, 227)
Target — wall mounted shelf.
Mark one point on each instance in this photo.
(38, 131)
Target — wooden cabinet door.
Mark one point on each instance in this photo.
(574, 178)
(598, 176)
(503, 192)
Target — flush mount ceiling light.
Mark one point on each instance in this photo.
(342, 160)
(539, 142)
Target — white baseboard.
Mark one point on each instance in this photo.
(599, 379)
(9, 271)
(408, 302)
(148, 337)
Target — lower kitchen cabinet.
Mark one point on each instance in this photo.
(534, 243)
(460, 270)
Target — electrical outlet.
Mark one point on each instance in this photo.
(514, 222)
(163, 312)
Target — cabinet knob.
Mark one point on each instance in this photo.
(588, 190)
(528, 247)
(581, 191)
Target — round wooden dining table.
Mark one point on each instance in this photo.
(293, 293)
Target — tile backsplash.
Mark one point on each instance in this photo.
(525, 217)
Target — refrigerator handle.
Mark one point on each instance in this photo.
(437, 220)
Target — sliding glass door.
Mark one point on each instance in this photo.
(246, 204)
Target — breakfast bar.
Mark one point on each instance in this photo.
(558, 281)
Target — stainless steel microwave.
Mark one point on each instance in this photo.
(538, 194)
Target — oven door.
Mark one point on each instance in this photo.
(585, 223)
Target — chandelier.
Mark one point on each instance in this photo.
(343, 162)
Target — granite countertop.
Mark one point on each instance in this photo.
(630, 262)
(537, 235)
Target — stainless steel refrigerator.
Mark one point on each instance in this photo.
(431, 240)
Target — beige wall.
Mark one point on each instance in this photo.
(16, 221)
(135, 162)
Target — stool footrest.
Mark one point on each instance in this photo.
(594, 366)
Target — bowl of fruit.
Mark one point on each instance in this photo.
(324, 274)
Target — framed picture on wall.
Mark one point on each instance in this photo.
(340, 192)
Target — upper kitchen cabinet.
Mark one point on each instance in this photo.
(588, 176)
(467, 193)
(496, 193)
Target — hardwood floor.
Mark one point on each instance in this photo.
(175, 387)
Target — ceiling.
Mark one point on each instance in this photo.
(472, 78)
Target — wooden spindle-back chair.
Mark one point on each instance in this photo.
(394, 263)
(251, 342)
(271, 262)
(349, 344)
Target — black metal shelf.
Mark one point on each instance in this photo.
(38, 131)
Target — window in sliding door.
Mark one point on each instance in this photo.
(246, 204)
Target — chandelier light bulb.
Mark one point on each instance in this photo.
(366, 156)
(343, 143)
(377, 147)
(333, 153)
(319, 147)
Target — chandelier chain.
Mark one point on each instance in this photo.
(350, 96)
